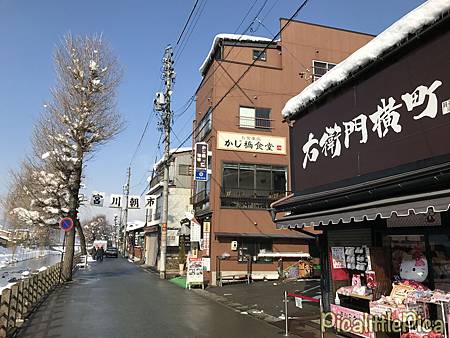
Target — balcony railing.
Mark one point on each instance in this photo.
(249, 198)
(254, 122)
(200, 197)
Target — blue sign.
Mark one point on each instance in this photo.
(66, 224)
(201, 175)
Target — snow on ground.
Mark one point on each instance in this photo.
(8, 255)
(423, 15)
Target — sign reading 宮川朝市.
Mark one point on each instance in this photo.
(254, 143)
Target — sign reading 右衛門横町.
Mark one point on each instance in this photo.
(255, 143)
(396, 120)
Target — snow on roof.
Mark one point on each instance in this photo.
(172, 151)
(134, 225)
(423, 15)
(229, 37)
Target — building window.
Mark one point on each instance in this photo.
(320, 68)
(259, 55)
(258, 118)
(250, 186)
(205, 126)
(185, 169)
(253, 247)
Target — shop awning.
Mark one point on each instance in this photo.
(438, 201)
(293, 235)
(284, 254)
(135, 225)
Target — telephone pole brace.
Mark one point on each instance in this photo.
(162, 105)
(126, 191)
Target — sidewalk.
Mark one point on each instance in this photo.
(264, 300)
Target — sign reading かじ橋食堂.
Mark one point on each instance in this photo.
(398, 117)
(255, 143)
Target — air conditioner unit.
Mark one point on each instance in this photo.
(234, 245)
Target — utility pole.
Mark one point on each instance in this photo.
(126, 192)
(116, 237)
(162, 105)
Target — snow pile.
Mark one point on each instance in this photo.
(423, 15)
(229, 37)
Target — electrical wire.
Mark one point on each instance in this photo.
(187, 21)
(190, 31)
(304, 3)
(141, 138)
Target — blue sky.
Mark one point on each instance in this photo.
(137, 31)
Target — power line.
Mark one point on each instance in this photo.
(189, 102)
(187, 21)
(141, 138)
(190, 31)
(248, 68)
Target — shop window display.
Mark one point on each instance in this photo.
(440, 253)
(395, 282)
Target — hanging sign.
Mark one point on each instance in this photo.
(115, 201)
(206, 238)
(299, 302)
(97, 199)
(201, 161)
(134, 202)
(172, 237)
(195, 232)
(338, 256)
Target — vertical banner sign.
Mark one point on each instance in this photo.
(206, 237)
(134, 202)
(195, 232)
(150, 205)
(115, 201)
(97, 199)
(201, 161)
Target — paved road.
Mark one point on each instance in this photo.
(117, 299)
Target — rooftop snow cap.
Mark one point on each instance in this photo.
(228, 37)
(425, 14)
(172, 151)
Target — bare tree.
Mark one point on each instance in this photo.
(80, 117)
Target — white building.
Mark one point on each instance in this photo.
(180, 183)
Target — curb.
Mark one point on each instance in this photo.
(243, 309)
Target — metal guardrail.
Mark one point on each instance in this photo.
(22, 298)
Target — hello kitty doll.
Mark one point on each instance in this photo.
(415, 269)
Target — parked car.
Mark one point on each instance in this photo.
(111, 252)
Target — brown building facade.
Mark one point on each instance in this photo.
(245, 85)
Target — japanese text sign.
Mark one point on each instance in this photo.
(254, 143)
(97, 198)
(115, 201)
(393, 119)
(134, 202)
(201, 161)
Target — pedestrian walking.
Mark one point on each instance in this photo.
(94, 253)
(101, 252)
